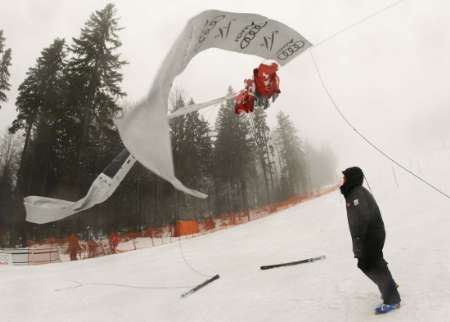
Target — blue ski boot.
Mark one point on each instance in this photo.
(386, 308)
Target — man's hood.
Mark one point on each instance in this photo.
(354, 177)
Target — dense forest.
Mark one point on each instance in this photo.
(64, 135)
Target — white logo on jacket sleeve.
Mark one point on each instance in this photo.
(355, 202)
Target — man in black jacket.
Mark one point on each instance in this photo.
(368, 236)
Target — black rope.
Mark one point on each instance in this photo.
(366, 139)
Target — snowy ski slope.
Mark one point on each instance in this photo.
(145, 285)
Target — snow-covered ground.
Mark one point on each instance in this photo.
(146, 284)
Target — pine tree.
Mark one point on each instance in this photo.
(192, 152)
(40, 104)
(192, 146)
(233, 159)
(6, 193)
(94, 83)
(262, 149)
(292, 157)
(178, 135)
(9, 157)
(5, 62)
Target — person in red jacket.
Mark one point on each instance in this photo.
(113, 242)
(74, 247)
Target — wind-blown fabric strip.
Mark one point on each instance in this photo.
(41, 210)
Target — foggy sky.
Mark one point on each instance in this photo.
(389, 75)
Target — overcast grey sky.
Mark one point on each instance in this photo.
(389, 75)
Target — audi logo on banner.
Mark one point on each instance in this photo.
(290, 49)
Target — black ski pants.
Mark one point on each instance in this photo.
(378, 272)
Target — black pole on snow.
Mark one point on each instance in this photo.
(195, 289)
(303, 261)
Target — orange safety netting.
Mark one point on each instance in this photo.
(79, 249)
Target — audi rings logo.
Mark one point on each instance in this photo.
(251, 34)
(290, 50)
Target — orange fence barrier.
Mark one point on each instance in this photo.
(161, 235)
(186, 227)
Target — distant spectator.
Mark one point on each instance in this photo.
(91, 242)
(113, 242)
(74, 247)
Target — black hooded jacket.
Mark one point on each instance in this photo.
(364, 217)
